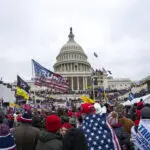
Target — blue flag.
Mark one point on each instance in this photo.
(40, 70)
(45, 77)
(101, 90)
(131, 96)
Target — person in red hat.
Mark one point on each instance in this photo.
(50, 139)
(87, 108)
(65, 127)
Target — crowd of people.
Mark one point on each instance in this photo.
(89, 127)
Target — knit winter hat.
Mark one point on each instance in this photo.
(87, 108)
(27, 117)
(67, 126)
(53, 123)
(6, 139)
(72, 121)
(70, 113)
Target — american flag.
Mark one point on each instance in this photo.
(45, 77)
(99, 135)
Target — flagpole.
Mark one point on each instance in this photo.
(95, 55)
(93, 90)
(33, 77)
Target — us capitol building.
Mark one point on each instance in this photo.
(73, 65)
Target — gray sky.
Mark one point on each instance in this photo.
(117, 30)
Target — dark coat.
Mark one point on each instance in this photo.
(49, 141)
(26, 137)
(123, 137)
(75, 140)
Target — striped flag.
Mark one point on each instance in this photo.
(47, 78)
(99, 134)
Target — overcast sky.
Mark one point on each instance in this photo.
(117, 30)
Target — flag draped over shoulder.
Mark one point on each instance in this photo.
(47, 78)
(99, 135)
(22, 88)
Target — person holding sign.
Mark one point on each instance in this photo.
(140, 135)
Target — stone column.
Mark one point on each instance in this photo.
(78, 84)
(66, 67)
(84, 83)
(72, 83)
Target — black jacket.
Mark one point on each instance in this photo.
(49, 141)
(75, 140)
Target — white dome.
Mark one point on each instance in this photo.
(71, 45)
(71, 53)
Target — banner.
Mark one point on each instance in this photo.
(143, 135)
(47, 78)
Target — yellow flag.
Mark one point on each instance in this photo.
(90, 100)
(87, 99)
(21, 92)
(84, 99)
(11, 104)
(17, 106)
(105, 96)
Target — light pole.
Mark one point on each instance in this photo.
(93, 87)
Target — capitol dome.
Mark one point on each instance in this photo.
(72, 62)
(71, 45)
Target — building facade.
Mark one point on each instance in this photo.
(73, 65)
(119, 83)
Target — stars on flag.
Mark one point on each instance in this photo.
(98, 133)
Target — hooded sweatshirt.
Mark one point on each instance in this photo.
(49, 141)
